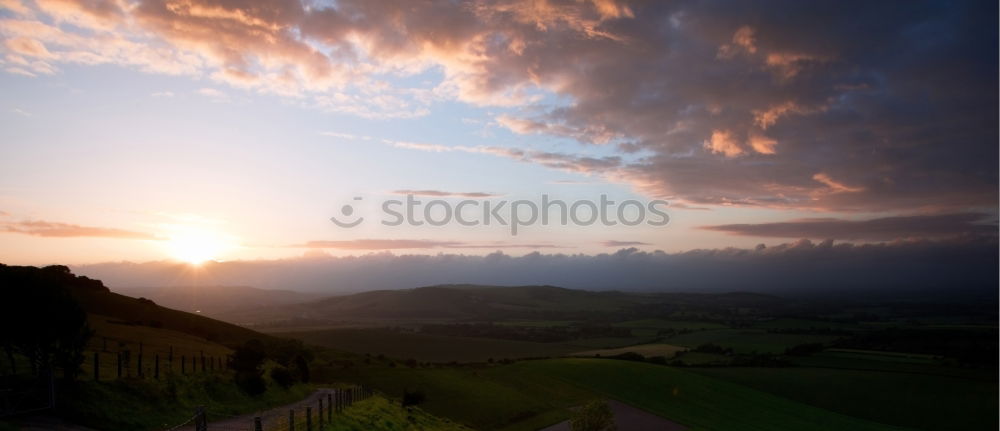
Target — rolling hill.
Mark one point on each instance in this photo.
(217, 300)
(474, 302)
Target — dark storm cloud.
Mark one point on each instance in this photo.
(841, 106)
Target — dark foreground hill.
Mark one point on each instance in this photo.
(18, 282)
(473, 302)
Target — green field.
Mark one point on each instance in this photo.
(112, 336)
(648, 350)
(429, 348)
(918, 401)
(379, 413)
(670, 324)
(747, 340)
(531, 394)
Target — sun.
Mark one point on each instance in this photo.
(196, 247)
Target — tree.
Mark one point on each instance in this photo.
(41, 320)
(247, 361)
(594, 416)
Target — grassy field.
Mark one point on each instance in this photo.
(747, 340)
(669, 324)
(112, 336)
(379, 413)
(429, 348)
(648, 350)
(133, 404)
(914, 400)
(531, 394)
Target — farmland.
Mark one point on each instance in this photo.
(530, 394)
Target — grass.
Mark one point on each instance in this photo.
(134, 404)
(669, 324)
(531, 394)
(429, 348)
(912, 400)
(380, 414)
(609, 342)
(647, 350)
(112, 336)
(787, 323)
(694, 400)
(748, 340)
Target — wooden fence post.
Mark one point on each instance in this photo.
(329, 407)
(319, 415)
(257, 426)
(200, 421)
(156, 367)
(97, 367)
(183, 365)
(119, 355)
(309, 419)
(291, 420)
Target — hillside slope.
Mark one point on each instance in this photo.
(457, 302)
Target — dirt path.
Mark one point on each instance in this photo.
(628, 418)
(275, 419)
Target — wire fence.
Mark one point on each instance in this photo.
(311, 414)
(102, 366)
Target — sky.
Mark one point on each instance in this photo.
(225, 130)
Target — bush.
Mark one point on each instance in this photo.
(282, 376)
(594, 416)
(412, 398)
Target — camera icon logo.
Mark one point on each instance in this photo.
(347, 211)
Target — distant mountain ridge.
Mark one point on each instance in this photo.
(478, 302)
(216, 300)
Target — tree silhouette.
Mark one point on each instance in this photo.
(41, 320)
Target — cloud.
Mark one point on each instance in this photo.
(213, 93)
(722, 142)
(380, 244)
(727, 104)
(879, 229)
(163, 94)
(440, 193)
(613, 243)
(65, 230)
(562, 161)
(398, 244)
(802, 267)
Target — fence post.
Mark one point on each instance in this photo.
(309, 419)
(200, 421)
(97, 367)
(329, 407)
(156, 367)
(319, 413)
(119, 355)
(203, 362)
(183, 365)
(291, 420)
(257, 426)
